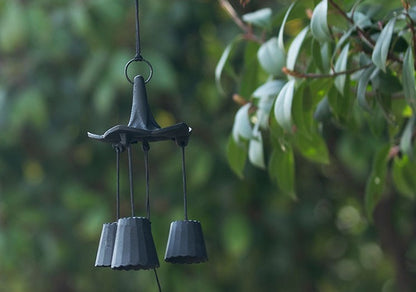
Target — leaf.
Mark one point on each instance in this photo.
(406, 139)
(282, 169)
(250, 73)
(255, 150)
(381, 49)
(242, 126)
(409, 79)
(319, 23)
(283, 106)
(404, 176)
(294, 49)
(376, 181)
(282, 27)
(222, 62)
(323, 111)
(236, 155)
(312, 147)
(261, 18)
(341, 66)
(272, 87)
(362, 88)
(271, 57)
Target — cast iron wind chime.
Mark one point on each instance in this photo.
(127, 244)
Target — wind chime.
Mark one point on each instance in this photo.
(127, 244)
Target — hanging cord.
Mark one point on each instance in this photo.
(118, 182)
(131, 179)
(157, 281)
(146, 149)
(185, 200)
(138, 57)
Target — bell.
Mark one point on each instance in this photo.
(106, 246)
(134, 248)
(186, 243)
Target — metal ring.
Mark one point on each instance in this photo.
(138, 60)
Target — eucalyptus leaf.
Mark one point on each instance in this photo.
(283, 106)
(294, 49)
(406, 139)
(255, 150)
(271, 87)
(272, 57)
(381, 49)
(362, 88)
(409, 79)
(282, 27)
(261, 18)
(222, 62)
(376, 181)
(282, 169)
(236, 155)
(242, 127)
(341, 66)
(319, 23)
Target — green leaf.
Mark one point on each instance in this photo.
(242, 126)
(294, 49)
(376, 181)
(271, 57)
(283, 106)
(323, 110)
(272, 87)
(409, 79)
(382, 46)
(404, 176)
(282, 169)
(282, 27)
(261, 18)
(341, 66)
(250, 73)
(222, 62)
(255, 150)
(362, 88)
(406, 139)
(317, 55)
(236, 155)
(319, 24)
(312, 146)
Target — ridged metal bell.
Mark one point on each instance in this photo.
(106, 245)
(186, 243)
(134, 248)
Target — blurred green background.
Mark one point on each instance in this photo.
(61, 75)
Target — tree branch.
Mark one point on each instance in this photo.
(248, 32)
(316, 75)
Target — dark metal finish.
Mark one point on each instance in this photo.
(134, 248)
(142, 125)
(186, 243)
(106, 246)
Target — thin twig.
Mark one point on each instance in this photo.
(316, 75)
(248, 32)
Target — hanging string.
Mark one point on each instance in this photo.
(138, 56)
(157, 281)
(146, 148)
(118, 182)
(185, 200)
(131, 179)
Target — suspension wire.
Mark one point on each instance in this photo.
(146, 149)
(131, 179)
(138, 56)
(185, 199)
(157, 281)
(118, 182)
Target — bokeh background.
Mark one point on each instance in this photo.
(61, 75)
